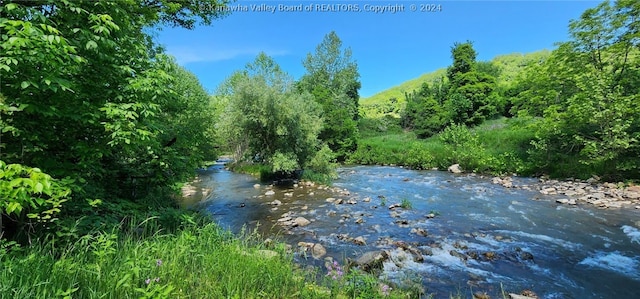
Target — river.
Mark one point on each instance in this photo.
(472, 234)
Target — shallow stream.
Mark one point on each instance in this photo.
(472, 234)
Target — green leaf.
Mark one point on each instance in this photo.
(91, 45)
(24, 84)
(13, 206)
(38, 188)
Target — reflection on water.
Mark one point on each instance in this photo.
(481, 235)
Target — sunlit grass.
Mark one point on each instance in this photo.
(503, 150)
(195, 262)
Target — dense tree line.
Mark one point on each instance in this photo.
(582, 100)
(91, 109)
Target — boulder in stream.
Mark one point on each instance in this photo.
(419, 231)
(516, 296)
(360, 241)
(455, 168)
(458, 255)
(301, 221)
(318, 251)
(371, 260)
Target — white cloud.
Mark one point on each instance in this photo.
(186, 55)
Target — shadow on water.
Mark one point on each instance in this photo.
(468, 231)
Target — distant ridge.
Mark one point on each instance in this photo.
(510, 65)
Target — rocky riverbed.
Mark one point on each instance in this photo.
(574, 192)
(439, 230)
(390, 254)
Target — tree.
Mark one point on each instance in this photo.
(92, 94)
(470, 89)
(332, 78)
(267, 119)
(424, 113)
(598, 120)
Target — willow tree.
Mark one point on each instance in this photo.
(267, 120)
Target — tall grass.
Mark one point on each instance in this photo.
(496, 146)
(199, 261)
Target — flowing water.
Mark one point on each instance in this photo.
(479, 236)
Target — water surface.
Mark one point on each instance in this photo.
(578, 251)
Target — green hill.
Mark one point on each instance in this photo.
(391, 101)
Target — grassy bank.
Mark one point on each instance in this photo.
(497, 146)
(198, 261)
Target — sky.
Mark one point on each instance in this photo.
(389, 46)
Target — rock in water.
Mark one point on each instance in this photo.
(318, 251)
(481, 295)
(455, 168)
(371, 260)
(360, 241)
(301, 221)
(269, 193)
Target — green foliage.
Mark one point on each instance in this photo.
(323, 162)
(468, 97)
(88, 96)
(387, 124)
(406, 204)
(393, 100)
(266, 120)
(200, 260)
(464, 148)
(30, 197)
(498, 146)
(424, 112)
(590, 108)
(508, 68)
(284, 163)
(333, 80)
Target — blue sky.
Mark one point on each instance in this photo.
(389, 48)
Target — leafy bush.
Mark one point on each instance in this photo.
(285, 163)
(465, 148)
(29, 195)
(322, 163)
